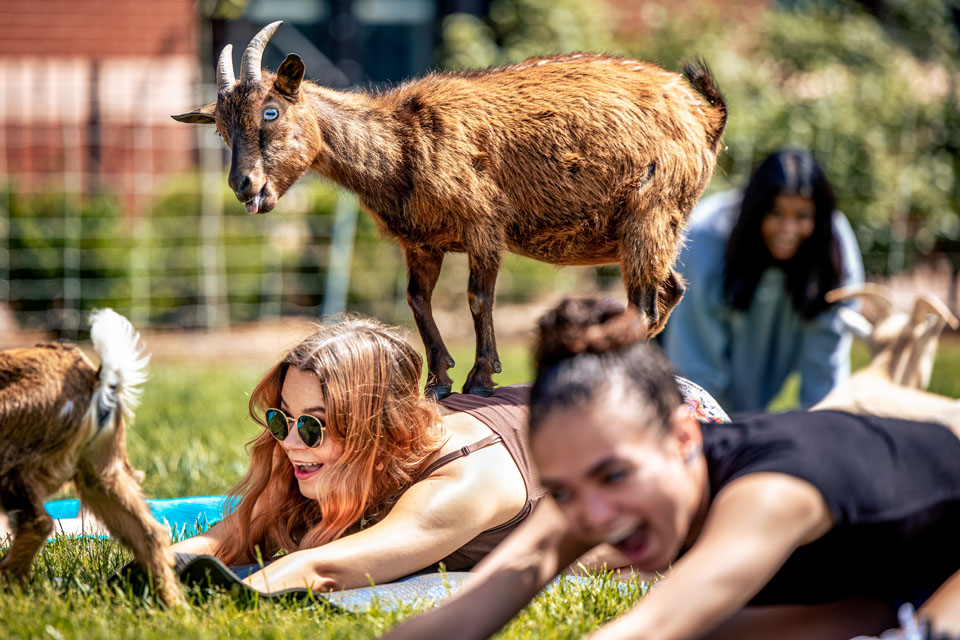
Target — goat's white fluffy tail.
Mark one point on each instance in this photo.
(122, 363)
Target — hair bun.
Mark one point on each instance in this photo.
(586, 325)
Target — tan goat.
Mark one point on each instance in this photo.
(63, 419)
(904, 347)
(573, 159)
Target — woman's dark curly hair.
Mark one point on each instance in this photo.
(587, 346)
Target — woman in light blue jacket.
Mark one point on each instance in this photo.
(758, 262)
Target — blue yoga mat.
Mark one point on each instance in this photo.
(190, 515)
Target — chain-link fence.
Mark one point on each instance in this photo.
(175, 248)
(135, 214)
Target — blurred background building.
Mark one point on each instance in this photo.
(86, 88)
(104, 200)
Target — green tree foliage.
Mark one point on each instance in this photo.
(873, 95)
(62, 254)
(519, 29)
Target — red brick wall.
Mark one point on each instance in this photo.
(115, 69)
(632, 15)
(97, 28)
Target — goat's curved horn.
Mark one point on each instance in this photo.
(926, 304)
(877, 295)
(253, 54)
(225, 77)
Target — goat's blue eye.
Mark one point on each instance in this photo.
(270, 114)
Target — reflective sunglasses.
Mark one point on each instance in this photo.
(310, 428)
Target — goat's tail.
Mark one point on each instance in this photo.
(698, 74)
(122, 364)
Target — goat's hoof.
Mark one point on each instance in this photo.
(438, 392)
(485, 392)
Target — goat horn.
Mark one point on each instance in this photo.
(876, 294)
(927, 303)
(225, 77)
(253, 54)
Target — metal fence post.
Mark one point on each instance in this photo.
(4, 221)
(341, 253)
(69, 322)
(5, 248)
(216, 310)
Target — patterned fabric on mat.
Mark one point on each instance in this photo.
(701, 403)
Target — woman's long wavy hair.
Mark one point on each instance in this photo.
(370, 380)
(816, 268)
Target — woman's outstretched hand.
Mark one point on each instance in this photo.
(292, 571)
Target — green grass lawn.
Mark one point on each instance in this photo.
(945, 378)
(189, 438)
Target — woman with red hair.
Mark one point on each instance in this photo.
(357, 477)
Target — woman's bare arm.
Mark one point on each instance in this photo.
(943, 608)
(504, 582)
(753, 526)
(432, 519)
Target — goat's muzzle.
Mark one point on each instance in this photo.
(249, 192)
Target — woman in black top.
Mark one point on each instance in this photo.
(799, 525)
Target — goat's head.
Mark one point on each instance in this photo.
(903, 345)
(265, 120)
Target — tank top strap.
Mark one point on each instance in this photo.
(460, 453)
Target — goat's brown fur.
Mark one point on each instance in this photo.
(49, 435)
(574, 159)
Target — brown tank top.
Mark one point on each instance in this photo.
(506, 414)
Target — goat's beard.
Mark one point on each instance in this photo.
(265, 200)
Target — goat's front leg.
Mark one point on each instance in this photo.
(423, 269)
(656, 302)
(483, 280)
(648, 248)
(111, 490)
(30, 523)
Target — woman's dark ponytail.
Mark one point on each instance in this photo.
(585, 347)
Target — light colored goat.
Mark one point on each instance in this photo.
(904, 346)
(573, 159)
(63, 419)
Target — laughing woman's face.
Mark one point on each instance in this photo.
(302, 394)
(619, 482)
(788, 225)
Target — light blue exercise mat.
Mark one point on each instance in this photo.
(204, 573)
(207, 572)
(189, 515)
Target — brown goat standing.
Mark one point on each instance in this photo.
(63, 419)
(574, 159)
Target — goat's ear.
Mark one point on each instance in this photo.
(289, 76)
(203, 115)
